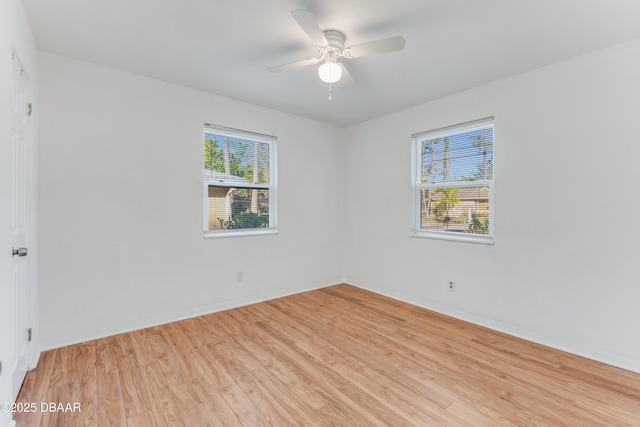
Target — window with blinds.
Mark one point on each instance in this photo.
(239, 182)
(453, 182)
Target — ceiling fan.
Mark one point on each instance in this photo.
(330, 45)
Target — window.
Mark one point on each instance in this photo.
(453, 182)
(239, 182)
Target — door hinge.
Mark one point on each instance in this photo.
(29, 334)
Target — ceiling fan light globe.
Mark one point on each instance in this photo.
(330, 72)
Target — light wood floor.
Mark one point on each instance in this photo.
(336, 356)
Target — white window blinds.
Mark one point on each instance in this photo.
(239, 181)
(454, 182)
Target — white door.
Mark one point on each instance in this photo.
(20, 224)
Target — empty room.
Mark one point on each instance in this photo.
(319, 213)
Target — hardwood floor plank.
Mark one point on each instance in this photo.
(110, 409)
(232, 364)
(341, 416)
(216, 373)
(308, 301)
(220, 412)
(301, 362)
(272, 410)
(58, 393)
(148, 344)
(84, 379)
(177, 383)
(105, 354)
(205, 329)
(197, 416)
(374, 406)
(144, 419)
(162, 401)
(62, 367)
(334, 356)
(124, 352)
(338, 306)
(139, 344)
(134, 393)
(243, 407)
(294, 405)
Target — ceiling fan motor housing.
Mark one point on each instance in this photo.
(334, 38)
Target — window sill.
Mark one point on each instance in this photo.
(455, 237)
(239, 233)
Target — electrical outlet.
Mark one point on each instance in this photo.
(239, 276)
(452, 286)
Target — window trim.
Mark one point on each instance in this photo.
(416, 164)
(271, 186)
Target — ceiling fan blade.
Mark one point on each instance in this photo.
(346, 81)
(310, 26)
(391, 44)
(293, 65)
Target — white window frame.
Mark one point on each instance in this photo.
(271, 186)
(418, 185)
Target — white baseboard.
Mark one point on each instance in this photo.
(35, 358)
(612, 359)
(89, 335)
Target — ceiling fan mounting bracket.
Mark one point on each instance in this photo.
(334, 47)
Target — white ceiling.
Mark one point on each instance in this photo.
(225, 46)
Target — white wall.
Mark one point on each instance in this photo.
(15, 36)
(122, 209)
(564, 267)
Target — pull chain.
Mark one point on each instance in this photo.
(329, 91)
